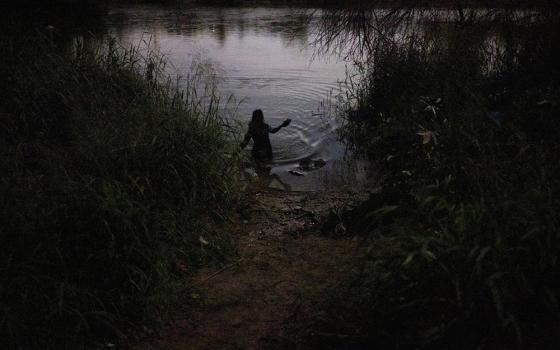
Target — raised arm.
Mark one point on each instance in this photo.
(285, 123)
(275, 130)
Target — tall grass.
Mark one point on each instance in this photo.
(461, 245)
(109, 173)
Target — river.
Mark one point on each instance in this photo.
(263, 59)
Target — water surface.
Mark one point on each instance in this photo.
(263, 58)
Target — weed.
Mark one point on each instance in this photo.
(462, 242)
(109, 171)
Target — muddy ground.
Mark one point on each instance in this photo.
(285, 267)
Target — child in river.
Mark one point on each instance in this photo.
(258, 131)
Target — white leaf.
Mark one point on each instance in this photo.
(203, 241)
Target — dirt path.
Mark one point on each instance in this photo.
(284, 266)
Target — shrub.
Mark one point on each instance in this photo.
(462, 242)
(108, 173)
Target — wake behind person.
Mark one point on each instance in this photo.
(258, 131)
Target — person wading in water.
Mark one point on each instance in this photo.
(258, 131)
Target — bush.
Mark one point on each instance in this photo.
(462, 242)
(108, 173)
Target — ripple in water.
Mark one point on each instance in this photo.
(264, 60)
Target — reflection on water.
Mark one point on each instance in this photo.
(336, 174)
(262, 57)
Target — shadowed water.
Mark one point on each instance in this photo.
(263, 58)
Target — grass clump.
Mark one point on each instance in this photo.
(109, 172)
(461, 244)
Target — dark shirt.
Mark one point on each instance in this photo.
(262, 149)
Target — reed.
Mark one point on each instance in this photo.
(110, 173)
(460, 246)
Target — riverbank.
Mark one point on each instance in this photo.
(124, 208)
(283, 268)
(462, 238)
(110, 175)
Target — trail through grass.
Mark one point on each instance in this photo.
(283, 269)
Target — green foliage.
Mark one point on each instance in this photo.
(108, 174)
(462, 243)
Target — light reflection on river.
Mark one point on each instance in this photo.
(262, 57)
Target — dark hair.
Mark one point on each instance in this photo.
(257, 121)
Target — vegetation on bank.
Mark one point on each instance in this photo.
(461, 242)
(109, 173)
